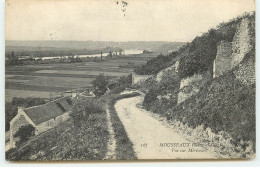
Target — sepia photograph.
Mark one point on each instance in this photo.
(137, 80)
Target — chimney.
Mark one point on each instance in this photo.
(20, 109)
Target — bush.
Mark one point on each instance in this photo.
(166, 90)
(84, 108)
(201, 54)
(25, 132)
(121, 84)
(100, 85)
(149, 98)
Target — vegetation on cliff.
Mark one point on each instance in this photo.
(156, 64)
(224, 103)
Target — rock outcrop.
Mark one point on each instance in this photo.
(241, 44)
(222, 63)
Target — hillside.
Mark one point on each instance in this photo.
(209, 82)
(88, 135)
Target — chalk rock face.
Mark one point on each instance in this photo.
(175, 66)
(241, 44)
(188, 87)
(222, 62)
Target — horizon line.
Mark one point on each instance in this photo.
(105, 41)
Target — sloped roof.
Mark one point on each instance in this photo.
(42, 113)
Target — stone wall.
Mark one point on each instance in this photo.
(241, 42)
(139, 78)
(222, 62)
(51, 123)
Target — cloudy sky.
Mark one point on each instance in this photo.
(112, 20)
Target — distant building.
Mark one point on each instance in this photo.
(42, 117)
(23, 57)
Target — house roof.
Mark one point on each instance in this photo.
(42, 113)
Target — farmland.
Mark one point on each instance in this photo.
(46, 80)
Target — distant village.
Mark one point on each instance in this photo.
(13, 59)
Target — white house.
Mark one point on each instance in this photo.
(42, 117)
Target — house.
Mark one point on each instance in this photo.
(87, 94)
(42, 117)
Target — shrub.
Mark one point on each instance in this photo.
(166, 90)
(149, 98)
(25, 132)
(84, 108)
(121, 84)
(201, 54)
(100, 85)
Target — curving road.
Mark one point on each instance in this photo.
(153, 140)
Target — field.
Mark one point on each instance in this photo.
(50, 80)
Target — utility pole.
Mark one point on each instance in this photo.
(101, 55)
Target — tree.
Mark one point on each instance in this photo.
(25, 132)
(100, 85)
(13, 56)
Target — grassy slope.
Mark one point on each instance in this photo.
(65, 142)
(224, 103)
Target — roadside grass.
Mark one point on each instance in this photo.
(65, 142)
(124, 147)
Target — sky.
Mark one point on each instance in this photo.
(112, 20)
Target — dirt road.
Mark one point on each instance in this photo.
(153, 140)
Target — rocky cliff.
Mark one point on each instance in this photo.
(211, 82)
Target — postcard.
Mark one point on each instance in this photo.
(138, 80)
